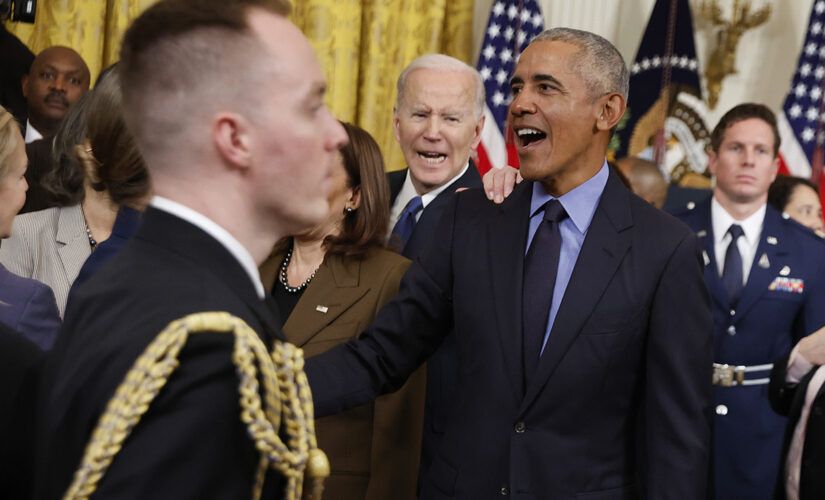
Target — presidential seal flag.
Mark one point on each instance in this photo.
(512, 24)
(665, 118)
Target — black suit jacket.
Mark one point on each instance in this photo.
(15, 61)
(789, 399)
(425, 227)
(442, 369)
(191, 442)
(617, 408)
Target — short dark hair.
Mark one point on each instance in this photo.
(179, 55)
(367, 226)
(120, 168)
(742, 112)
(782, 188)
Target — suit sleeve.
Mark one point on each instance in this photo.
(404, 334)
(781, 393)
(814, 314)
(40, 320)
(678, 391)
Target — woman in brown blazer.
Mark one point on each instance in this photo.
(329, 284)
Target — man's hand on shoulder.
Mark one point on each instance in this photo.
(499, 182)
(812, 347)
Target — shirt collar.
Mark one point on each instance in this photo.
(579, 203)
(32, 134)
(721, 220)
(211, 228)
(426, 198)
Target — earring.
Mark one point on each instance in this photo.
(348, 210)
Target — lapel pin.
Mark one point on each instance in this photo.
(786, 215)
(772, 240)
(702, 233)
(705, 257)
(322, 309)
(764, 263)
(785, 271)
(691, 205)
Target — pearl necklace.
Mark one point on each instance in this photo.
(285, 282)
(92, 241)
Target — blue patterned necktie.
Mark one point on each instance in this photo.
(540, 267)
(406, 223)
(732, 272)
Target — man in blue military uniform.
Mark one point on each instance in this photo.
(766, 275)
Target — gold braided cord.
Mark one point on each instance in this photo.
(286, 395)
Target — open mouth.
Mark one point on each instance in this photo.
(432, 158)
(527, 136)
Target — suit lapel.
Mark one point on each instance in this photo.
(334, 289)
(506, 239)
(704, 231)
(608, 239)
(765, 263)
(72, 240)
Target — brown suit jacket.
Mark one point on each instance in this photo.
(373, 449)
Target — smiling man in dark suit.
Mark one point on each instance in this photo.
(581, 318)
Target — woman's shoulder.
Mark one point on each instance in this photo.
(48, 219)
(386, 259)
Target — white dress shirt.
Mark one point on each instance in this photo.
(408, 192)
(32, 133)
(747, 243)
(214, 230)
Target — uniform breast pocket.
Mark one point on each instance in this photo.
(603, 323)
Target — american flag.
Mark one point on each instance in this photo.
(802, 120)
(512, 24)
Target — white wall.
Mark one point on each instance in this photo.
(766, 57)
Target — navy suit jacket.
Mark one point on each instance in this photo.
(442, 372)
(616, 408)
(29, 307)
(768, 321)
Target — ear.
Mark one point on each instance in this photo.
(395, 123)
(610, 110)
(231, 134)
(354, 198)
(712, 162)
(775, 167)
(477, 132)
(24, 84)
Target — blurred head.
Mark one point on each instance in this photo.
(799, 199)
(109, 155)
(57, 79)
(744, 159)
(220, 92)
(438, 117)
(569, 92)
(66, 178)
(646, 180)
(13, 164)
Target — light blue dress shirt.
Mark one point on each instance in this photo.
(580, 205)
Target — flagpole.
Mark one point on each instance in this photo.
(659, 143)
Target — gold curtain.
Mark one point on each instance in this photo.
(94, 28)
(362, 44)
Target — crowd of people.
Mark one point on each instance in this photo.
(546, 332)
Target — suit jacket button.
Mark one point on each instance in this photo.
(505, 490)
(731, 330)
(721, 410)
(520, 428)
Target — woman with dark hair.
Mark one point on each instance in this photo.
(798, 198)
(329, 283)
(98, 173)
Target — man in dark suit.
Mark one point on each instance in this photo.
(581, 318)
(438, 118)
(233, 172)
(766, 277)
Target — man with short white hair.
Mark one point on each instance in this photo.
(226, 103)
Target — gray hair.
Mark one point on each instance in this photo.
(444, 63)
(601, 65)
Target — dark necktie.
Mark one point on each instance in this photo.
(406, 223)
(732, 272)
(540, 267)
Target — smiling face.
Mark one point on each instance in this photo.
(745, 164)
(561, 129)
(435, 125)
